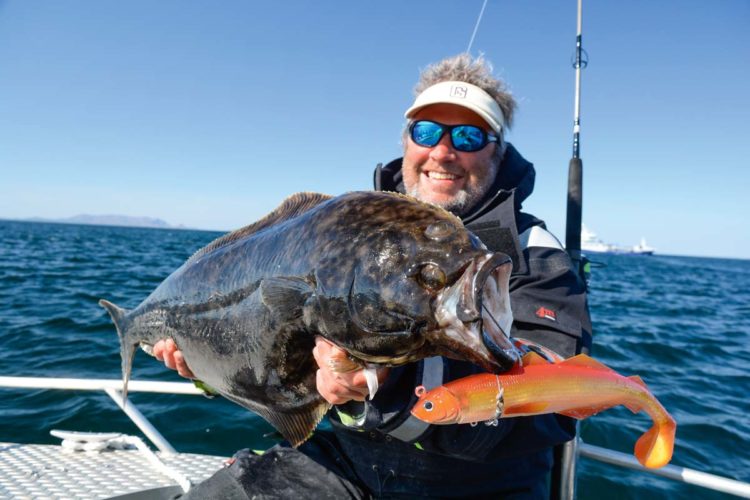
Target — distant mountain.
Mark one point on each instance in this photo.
(112, 220)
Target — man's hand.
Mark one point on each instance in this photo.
(336, 387)
(166, 350)
(339, 387)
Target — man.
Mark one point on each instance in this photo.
(455, 156)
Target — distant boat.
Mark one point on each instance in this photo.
(642, 248)
(590, 243)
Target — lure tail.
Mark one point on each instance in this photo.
(654, 448)
(127, 347)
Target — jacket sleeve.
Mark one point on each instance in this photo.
(549, 307)
(549, 302)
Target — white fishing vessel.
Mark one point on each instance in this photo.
(642, 248)
(117, 466)
(591, 243)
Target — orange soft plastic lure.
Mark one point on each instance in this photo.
(577, 387)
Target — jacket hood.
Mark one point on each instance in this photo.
(516, 175)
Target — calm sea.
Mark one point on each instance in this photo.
(681, 323)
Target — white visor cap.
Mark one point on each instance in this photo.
(461, 94)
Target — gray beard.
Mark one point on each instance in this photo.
(465, 200)
(458, 205)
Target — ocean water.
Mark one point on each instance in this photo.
(681, 323)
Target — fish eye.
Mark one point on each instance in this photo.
(427, 405)
(432, 277)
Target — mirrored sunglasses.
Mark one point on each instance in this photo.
(466, 138)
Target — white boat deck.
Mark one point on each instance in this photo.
(30, 471)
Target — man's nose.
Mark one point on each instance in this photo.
(443, 150)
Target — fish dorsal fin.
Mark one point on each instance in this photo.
(638, 380)
(531, 358)
(291, 207)
(296, 426)
(585, 361)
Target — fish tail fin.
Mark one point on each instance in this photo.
(127, 346)
(654, 449)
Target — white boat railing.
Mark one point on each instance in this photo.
(113, 388)
(681, 474)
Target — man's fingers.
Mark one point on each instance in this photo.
(170, 347)
(336, 393)
(167, 351)
(335, 385)
(158, 350)
(169, 360)
(181, 365)
(358, 378)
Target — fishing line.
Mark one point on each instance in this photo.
(493, 319)
(476, 27)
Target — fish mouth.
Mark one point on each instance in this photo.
(474, 315)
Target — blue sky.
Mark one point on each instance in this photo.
(208, 114)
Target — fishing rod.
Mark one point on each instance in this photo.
(575, 167)
(564, 469)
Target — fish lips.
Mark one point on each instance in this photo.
(475, 313)
(473, 282)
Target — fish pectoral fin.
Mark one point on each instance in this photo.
(534, 408)
(285, 296)
(296, 426)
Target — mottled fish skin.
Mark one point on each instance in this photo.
(364, 270)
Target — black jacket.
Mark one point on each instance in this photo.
(549, 307)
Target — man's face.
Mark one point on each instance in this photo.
(454, 180)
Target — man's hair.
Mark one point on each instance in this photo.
(478, 72)
(464, 68)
